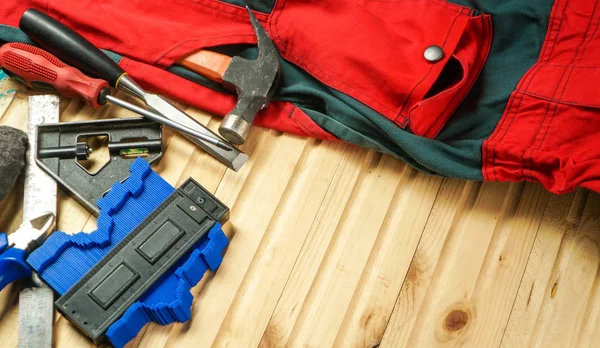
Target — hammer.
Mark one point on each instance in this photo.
(254, 81)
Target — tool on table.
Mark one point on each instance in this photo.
(60, 145)
(153, 244)
(36, 301)
(13, 143)
(41, 70)
(254, 81)
(133, 266)
(82, 54)
(16, 246)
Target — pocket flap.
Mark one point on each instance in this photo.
(428, 116)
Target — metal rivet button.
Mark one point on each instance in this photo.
(433, 53)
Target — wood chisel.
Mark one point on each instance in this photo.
(82, 54)
(39, 69)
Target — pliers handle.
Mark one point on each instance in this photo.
(15, 248)
(12, 263)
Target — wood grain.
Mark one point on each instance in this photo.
(334, 245)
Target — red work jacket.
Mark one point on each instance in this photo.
(373, 51)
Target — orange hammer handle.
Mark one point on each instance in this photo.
(206, 63)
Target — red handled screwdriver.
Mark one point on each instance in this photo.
(41, 70)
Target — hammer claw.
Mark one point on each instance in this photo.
(265, 45)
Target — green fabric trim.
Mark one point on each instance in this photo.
(519, 28)
(12, 34)
(114, 56)
(264, 6)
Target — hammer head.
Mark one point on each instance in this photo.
(254, 82)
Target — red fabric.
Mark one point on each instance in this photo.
(550, 131)
(371, 50)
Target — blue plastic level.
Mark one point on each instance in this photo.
(64, 259)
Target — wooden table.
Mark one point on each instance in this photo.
(334, 245)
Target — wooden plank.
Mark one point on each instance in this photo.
(369, 312)
(12, 208)
(454, 196)
(561, 283)
(306, 266)
(478, 271)
(499, 279)
(339, 273)
(347, 252)
(288, 229)
(562, 215)
(13, 107)
(447, 298)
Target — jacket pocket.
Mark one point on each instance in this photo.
(428, 116)
(373, 51)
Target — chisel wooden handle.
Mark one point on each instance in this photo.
(69, 46)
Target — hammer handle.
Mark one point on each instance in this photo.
(69, 46)
(209, 64)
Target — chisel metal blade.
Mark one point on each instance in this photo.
(234, 159)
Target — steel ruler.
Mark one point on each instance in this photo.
(36, 303)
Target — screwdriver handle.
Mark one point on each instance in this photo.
(39, 69)
(69, 46)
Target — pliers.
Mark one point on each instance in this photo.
(16, 246)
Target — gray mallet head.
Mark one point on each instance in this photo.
(254, 82)
(13, 145)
